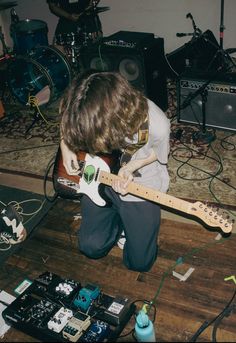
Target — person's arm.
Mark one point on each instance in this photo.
(126, 172)
(59, 12)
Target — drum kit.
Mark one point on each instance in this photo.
(34, 64)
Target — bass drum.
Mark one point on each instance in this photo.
(45, 66)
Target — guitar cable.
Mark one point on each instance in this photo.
(50, 165)
(217, 320)
(210, 176)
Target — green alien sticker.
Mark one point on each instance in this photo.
(89, 174)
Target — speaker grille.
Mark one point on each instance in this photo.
(220, 105)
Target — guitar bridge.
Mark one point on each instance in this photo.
(68, 183)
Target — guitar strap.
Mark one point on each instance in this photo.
(132, 148)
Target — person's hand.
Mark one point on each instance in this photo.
(126, 172)
(74, 17)
(70, 161)
(120, 185)
(92, 5)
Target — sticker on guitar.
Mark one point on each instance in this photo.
(95, 170)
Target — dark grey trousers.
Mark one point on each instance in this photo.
(101, 227)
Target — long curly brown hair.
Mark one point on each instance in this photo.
(100, 111)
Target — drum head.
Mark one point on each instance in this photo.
(45, 66)
(30, 26)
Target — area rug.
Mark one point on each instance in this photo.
(198, 171)
(31, 209)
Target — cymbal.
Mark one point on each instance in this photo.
(6, 5)
(101, 9)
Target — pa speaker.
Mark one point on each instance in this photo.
(218, 95)
(139, 57)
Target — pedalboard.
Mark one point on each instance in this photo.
(54, 309)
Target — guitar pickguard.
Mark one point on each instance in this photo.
(86, 182)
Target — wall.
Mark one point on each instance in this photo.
(164, 18)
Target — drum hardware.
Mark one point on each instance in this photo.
(14, 17)
(2, 110)
(5, 49)
(35, 101)
(39, 78)
(99, 9)
(71, 44)
(5, 58)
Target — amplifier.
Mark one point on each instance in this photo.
(129, 39)
(220, 100)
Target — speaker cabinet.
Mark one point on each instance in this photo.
(139, 57)
(220, 100)
(200, 53)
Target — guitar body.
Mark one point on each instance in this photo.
(86, 182)
(95, 170)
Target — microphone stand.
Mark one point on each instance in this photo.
(205, 136)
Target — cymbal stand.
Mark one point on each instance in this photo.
(4, 47)
(222, 27)
(5, 57)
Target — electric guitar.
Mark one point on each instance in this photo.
(95, 170)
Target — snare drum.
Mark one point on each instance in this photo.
(27, 34)
(69, 39)
(45, 66)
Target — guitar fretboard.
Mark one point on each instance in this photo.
(149, 194)
(196, 209)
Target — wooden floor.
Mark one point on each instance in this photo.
(181, 306)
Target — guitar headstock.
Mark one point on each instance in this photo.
(213, 217)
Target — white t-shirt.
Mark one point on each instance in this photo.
(155, 175)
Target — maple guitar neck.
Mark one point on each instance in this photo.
(149, 194)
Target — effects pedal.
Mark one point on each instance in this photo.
(76, 326)
(60, 319)
(86, 296)
(60, 290)
(97, 332)
(113, 310)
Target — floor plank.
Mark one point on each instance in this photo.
(181, 307)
